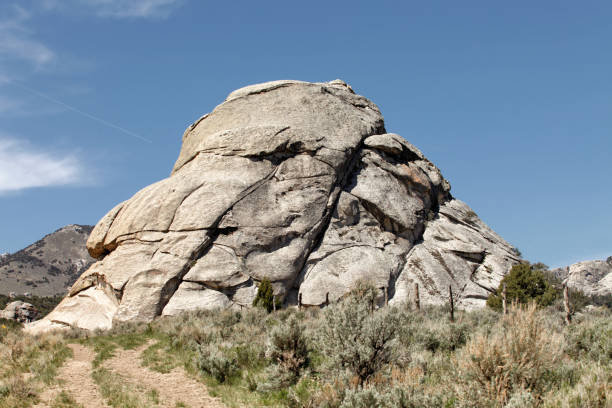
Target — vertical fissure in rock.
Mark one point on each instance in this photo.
(172, 285)
(346, 175)
(170, 288)
(400, 269)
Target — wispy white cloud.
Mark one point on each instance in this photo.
(22, 54)
(17, 42)
(26, 49)
(118, 8)
(24, 166)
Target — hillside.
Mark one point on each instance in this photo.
(49, 266)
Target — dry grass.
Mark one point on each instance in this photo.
(116, 391)
(484, 359)
(594, 390)
(28, 365)
(519, 354)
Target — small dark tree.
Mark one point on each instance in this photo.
(525, 283)
(265, 296)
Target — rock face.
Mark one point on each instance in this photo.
(49, 266)
(20, 311)
(298, 183)
(590, 277)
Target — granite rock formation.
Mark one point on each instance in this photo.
(22, 312)
(295, 182)
(593, 278)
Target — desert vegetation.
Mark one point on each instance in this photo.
(27, 364)
(527, 282)
(349, 354)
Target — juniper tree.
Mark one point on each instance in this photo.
(525, 283)
(265, 296)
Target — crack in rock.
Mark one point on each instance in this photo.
(290, 176)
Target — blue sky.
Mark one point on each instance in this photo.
(513, 100)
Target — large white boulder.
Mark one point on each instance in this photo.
(298, 183)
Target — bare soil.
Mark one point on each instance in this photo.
(173, 388)
(75, 379)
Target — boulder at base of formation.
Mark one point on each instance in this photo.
(20, 311)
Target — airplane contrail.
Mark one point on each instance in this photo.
(80, 112)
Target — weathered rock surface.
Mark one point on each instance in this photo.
(298, 183)
(590, 277)
(20, 311)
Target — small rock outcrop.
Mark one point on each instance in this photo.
(20, 311)
(593, 278)
(298, 183)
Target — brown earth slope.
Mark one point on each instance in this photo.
(49, 266)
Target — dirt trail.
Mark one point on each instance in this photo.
(75, 378)
(173, 387)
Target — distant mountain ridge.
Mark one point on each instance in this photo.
(49, 266)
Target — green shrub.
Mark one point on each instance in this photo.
(445, 337)
(392, 397)
(579, 300)
(366, 398)
(591, 339)
(524, 283)
(265, 296)
(301, 395)
(358, 338)
(212, 361)
(251, 355)
(288, 348)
